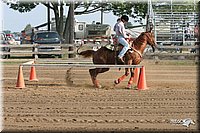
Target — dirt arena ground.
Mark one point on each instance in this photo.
(53, 104)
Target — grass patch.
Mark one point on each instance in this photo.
(14, 61)
(177, 62)
(169, 62)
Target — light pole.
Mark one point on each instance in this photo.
(101, 13)
(48, 17)
(71, 23)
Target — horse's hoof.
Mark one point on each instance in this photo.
(128, 86)
(98, 86)
(116, 81)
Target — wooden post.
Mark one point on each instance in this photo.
(115, 49)
(71, 49)
(196, 59)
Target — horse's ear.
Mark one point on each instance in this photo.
(151, 28)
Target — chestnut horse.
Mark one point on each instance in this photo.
(132, 57)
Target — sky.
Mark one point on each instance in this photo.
(14, 21)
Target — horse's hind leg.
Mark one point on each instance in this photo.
(94, 73)
(93, 76)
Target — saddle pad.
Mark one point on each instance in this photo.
(110, 47)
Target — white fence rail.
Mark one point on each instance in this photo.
(70, 49)
(85, 65)
(32, 49)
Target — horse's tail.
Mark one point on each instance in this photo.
(78, 49)
(87, 53)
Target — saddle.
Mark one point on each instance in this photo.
(118, 47)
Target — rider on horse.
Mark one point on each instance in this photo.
(121, 35)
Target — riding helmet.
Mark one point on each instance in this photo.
(125, 18)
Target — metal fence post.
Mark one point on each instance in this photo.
(36, 50)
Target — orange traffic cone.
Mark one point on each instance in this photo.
(33, 74)
(20, 79)
(142, 80)
(136, 75)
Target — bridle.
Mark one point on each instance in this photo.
(140, 42)
(149, 38)
(132, 47)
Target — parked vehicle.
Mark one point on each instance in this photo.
(48, 42)
(11, 40)
(4, 41)
(17, 40)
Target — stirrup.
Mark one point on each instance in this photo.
(121, 59)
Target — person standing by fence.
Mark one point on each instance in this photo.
(22, 37)
(32, 36)
(196, 35)
(196, 32)
(187, 32)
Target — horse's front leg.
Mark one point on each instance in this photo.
(127, 71)
(122, 77)
(130, 82)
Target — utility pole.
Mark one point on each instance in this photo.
(71, 27)
(198, 21)
(101, 13)
(71, 23)
(48, 17)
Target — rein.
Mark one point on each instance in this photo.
(136, 51)
(139, 41)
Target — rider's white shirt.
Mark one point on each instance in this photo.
(120, 29)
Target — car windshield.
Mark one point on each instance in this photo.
(48, 35)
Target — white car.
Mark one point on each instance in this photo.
(4, 41)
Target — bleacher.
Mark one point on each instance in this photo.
(171, 19)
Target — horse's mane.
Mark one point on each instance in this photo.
(142, 34)
(139, 38)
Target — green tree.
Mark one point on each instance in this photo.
(7, 31)
(133, 9)
(28, 27)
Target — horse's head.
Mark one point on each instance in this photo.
(151, 40)
(143, 39)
